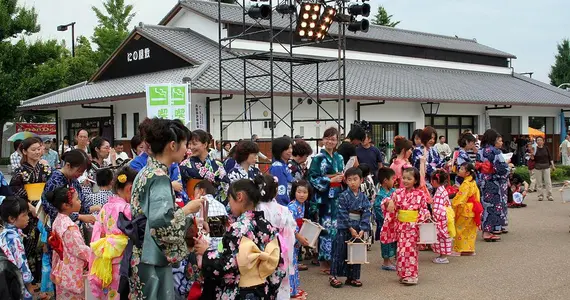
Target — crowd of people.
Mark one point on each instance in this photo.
(189, 218)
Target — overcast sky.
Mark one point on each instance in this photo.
(528, 29)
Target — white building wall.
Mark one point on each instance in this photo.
(189, 19)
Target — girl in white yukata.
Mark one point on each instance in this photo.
(440, 204)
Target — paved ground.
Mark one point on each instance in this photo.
(531, 262)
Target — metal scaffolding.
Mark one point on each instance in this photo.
(274, 68)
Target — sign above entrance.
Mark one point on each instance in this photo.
(168, 101)
(138, 55)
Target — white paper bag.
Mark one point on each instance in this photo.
(311, 232)
(428, 233)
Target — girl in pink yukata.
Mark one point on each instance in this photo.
(108, 242)
(404, 211)
(70, 253)
(443, 246)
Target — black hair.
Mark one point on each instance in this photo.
(13, 206)
(201, 136)
(279, 145)
(66, 138)
(489, 138)
(104, 177)
(465, 139)
(135, 142)
(440, 176)
(58, 197)
(233, 151)
(226, 143)
(27, 143)
(243, 149)
(416, 134)
(330, 132)
(207, 186)
(301, 148)
(76, 158)
(469, 167)
(143, 128)
(267, 184)
(248, 187)
(385, 174)
(353, 172)
(427, 134)
(539, 137)
(97, 143)
(160, 132)
(301, 183)
(441, 136)
(416, 174)
(365, 169)
(356, 133)
(79, 131)
(129, 172)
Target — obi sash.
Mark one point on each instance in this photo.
(354, 216)
(105, 250)
(336, 184)
(408, 216)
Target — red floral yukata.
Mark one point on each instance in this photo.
(406, 234)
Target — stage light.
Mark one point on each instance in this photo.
(326, 21)
(308, 21)
(285, 9)
(359, 9)
(262, 11)
(361, 25)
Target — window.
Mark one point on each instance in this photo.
(451, 126)
(124, 125)
(135, 123)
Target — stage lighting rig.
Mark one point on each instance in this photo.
(308, 19)
(259, 11)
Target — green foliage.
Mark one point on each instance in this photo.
(15, 20)
(560, 174)
(523, 172)
(560, 71)
(382, 18)
(112, 29)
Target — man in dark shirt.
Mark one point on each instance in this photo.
(348, 147)
(370, 155)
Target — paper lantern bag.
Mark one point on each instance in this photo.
(311, 232)
(428, 233)
(357, 252)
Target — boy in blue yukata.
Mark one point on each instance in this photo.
(386, 181)
(353, 220)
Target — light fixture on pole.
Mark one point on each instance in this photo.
(64, 28)
(355, 10)
(430, 108)
(285, 9)
(325, 22)
(308, 20)
(259, 11)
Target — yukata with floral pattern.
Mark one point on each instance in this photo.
(281, 218)
(57, 180)
(433, 161)
(106, 236)
(27, 174)
(210, 169)
(222, 263)
(462, 157)
(280, 169)
(439, 207)
(163, 243)
(387, 250)
(238, 172)
(325, 200)
(405, 233)
(186, 276)
(297, 209)
(465, 205)
(67, 271)
(297, 170)
(494, 184)
(12, 245)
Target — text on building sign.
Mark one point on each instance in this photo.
(138, 55)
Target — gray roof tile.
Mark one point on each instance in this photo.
(365, 80)
(233, 13)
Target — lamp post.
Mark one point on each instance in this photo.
(64, 28)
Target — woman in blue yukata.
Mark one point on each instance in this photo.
(297, 163)
(202, 166)
(245, 154)
(282, 149)
(325, 175)
(14, 212)
(433, 162)
(466, 143)
(5, 189)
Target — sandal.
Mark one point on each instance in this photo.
(303, 267)
(315, 263)
(492, 238)
(334, 282)
(353, 282)
(409, 281)
(300, 295)
(326, 271)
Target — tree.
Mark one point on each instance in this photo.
(382, 18)
(112, 29)
(560, 71)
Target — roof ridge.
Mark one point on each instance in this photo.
(541, 84)
(181, 29)
(67, 88)
(421, 67)
(144, 74)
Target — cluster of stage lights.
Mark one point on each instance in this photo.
(312, 25)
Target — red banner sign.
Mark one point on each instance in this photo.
(37, 128)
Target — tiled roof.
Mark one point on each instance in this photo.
(364, 80)
(233, 13)
(109, 89)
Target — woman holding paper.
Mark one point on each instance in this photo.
(325, 175)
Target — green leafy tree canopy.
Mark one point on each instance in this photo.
(383, 18)
(15, 20)
(560, 71)
(112, 28)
